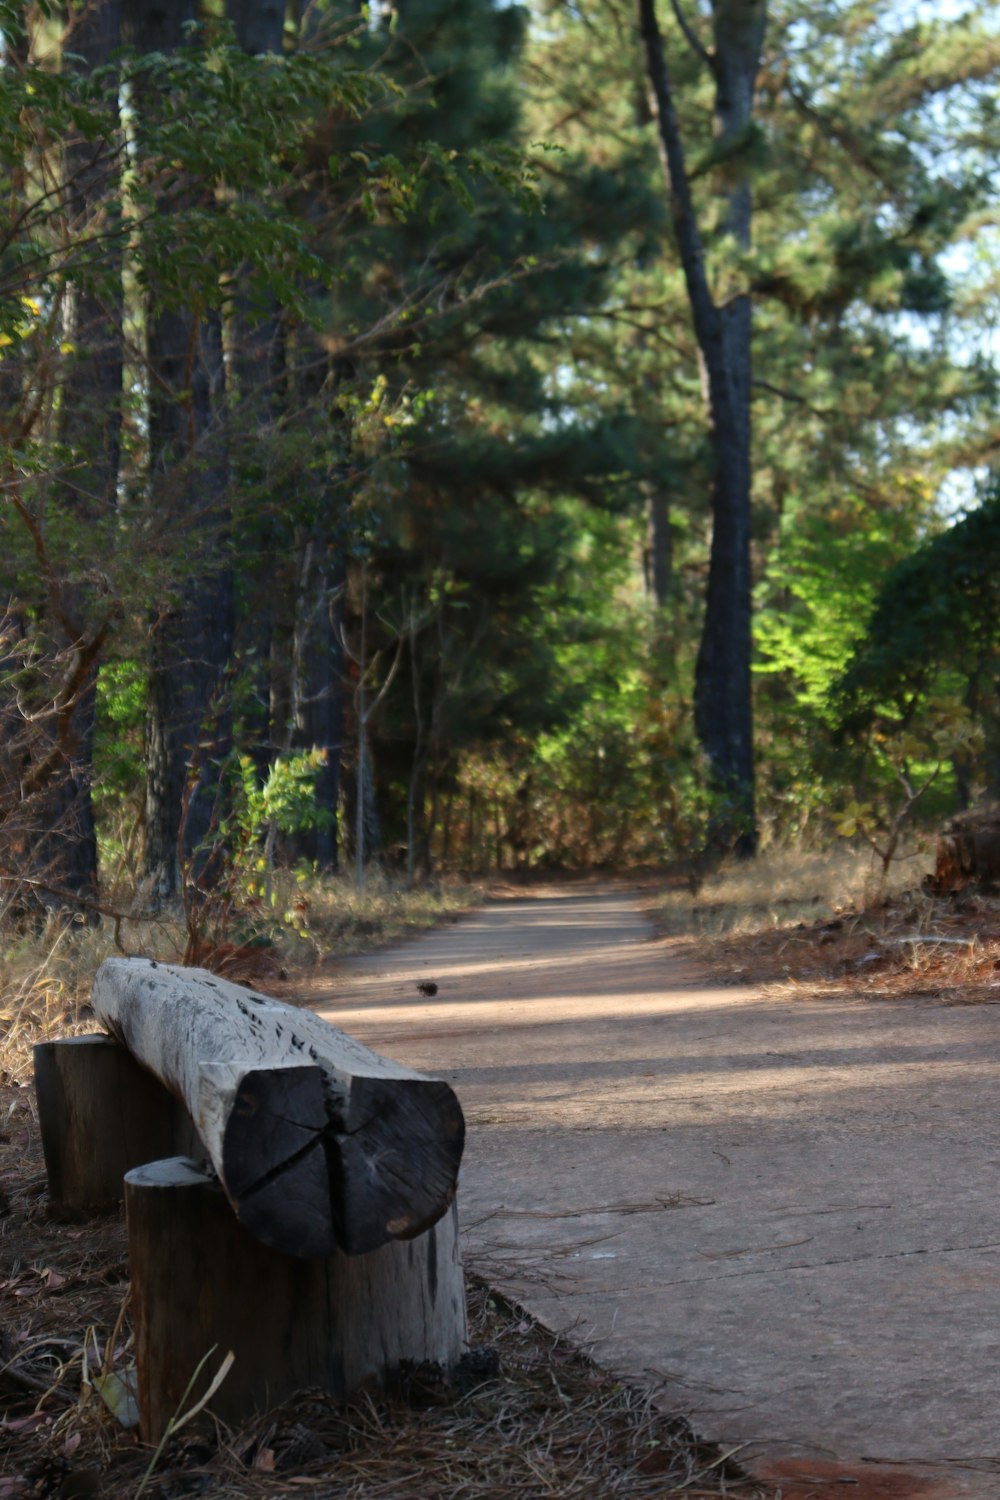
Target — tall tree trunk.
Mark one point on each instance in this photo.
(723, 703)
(659, 547)
(90, 428)
(259, 24)
(321, 715)
(188, 727)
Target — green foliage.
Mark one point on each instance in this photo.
(285, 799)
(937, 612)
(916, 762)
(820, 591)
(229, 875)
(476, 401)
(118, 766)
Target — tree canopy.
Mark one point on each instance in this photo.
(529, 437)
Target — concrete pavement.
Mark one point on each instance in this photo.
(780, 1211)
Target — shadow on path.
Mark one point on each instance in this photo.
(782, 1211)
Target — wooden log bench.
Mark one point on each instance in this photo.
(289, 1193)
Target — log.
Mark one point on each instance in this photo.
(318, 1142)
(202, 1282)
(101, 1114)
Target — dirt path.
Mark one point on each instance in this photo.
(784, 1213)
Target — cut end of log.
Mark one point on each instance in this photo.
(399, 1160)
(274, 1160)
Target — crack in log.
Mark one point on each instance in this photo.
(268, 1178)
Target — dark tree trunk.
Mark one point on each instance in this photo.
(321, 718)
(259, 24)
(90, 428)
(723, 704)
(659, 547)
(189, 726)
(188, 729)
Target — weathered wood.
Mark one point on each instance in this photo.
(319, 1143)
(201, 1281)
(101, 1114)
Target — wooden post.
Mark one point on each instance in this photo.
(100, 1114)
(319, 1143)
(201, 1282)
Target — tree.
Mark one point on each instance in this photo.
(933, 636)
(722, 325)
(59, 428)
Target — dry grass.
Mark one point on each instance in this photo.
(341, 920)
(783, 886)
(46, 975)
(809, 922)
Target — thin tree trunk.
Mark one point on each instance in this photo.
(659, 547)
(320, 718)
(723, 704)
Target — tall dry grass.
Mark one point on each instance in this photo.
(785, 885)
(46, 974)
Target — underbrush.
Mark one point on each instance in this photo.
(823, 922)
(785, 885)
(46, 974)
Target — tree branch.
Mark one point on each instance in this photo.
(704, 312)
(776, 390)
(697, 47)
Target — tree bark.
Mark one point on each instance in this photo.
(188, 731)
(65, 857)
(101, 1114)
(659, 547)
(321, 713)
(259, 24)
(317, 1141)
(723, 702)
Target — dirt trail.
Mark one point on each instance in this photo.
(783, 1212)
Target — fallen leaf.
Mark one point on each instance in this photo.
(26, 1424)
(119, 1390)
(52, 1278)
(265, 1460)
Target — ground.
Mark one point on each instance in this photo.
(529, 1415)
(546, 1422)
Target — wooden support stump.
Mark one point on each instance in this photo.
(319, 1143)
(101, 1114)
(200, 1280)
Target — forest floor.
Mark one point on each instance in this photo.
(548, 1419)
